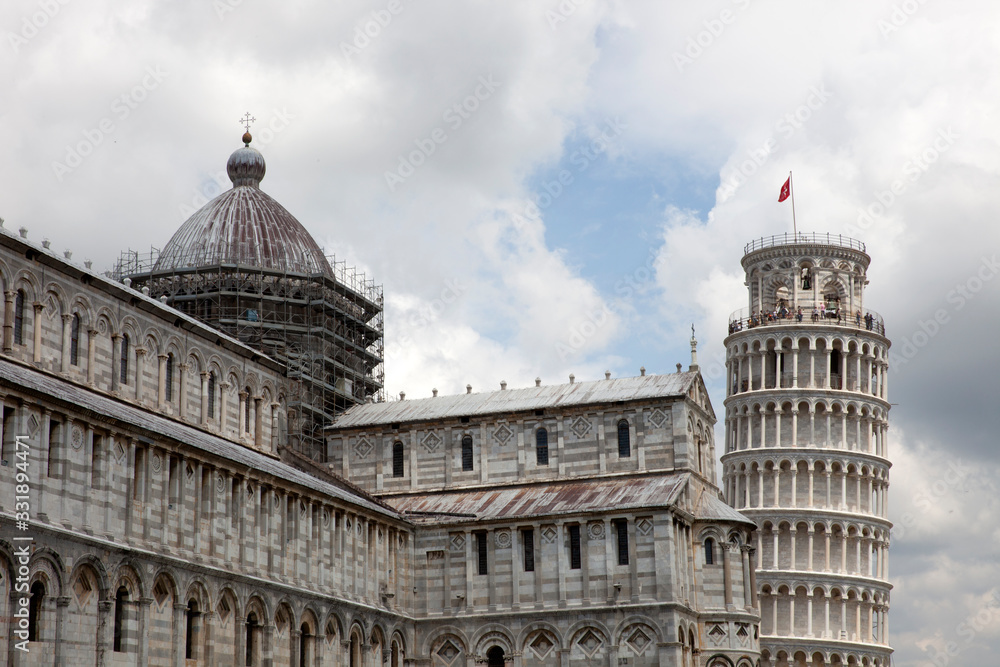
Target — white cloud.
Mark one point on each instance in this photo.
(833, 95)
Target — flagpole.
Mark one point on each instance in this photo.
(791, 192)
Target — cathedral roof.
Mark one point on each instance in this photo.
(708, 507)
(154, 425)
(497, 503)
(244, 226)
(516, 400)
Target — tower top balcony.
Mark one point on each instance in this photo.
(803, 238)
(781, 316)
(807, 271)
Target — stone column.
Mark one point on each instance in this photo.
(104, 610)
(62, 603)
(811, 532)
(826, 616)
(727, 575)
(240, 631)
(165, 500)
(8, 320)
(41, 478)
(199, 490)
(267, 646)
(107, 484)
(295, 636)
(88, 461)
(745, 562)
(177, 654)
(777, 426)
(207, 623)
(143, 621)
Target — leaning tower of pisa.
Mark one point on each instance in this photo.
(806, 455)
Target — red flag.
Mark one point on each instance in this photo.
(786, 190)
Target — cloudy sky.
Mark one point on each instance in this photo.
(546, 188)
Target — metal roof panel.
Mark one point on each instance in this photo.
(517, 400)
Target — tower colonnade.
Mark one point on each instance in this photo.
(807, 450)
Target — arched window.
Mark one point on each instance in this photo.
(252, 625)
(190, 630)
(624, 440)
(211, 395)
(19, 317)
(494, 657)
(542, 447)
(121, 599)
(124, 360)
(74, 340)
(467, 453)
(709, 551)
(246, 410)
(397, 459)
(169, 380)
(35, 610)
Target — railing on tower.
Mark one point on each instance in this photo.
(861, 318)
(802, 237)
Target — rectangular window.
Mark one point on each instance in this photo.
(7, 455)
(19, 318)
(467, 453)
(528, 538)
(574, 547)
(542, 447)
(168, 381)
(484, 566)
(211, 395)
(397, 459)
(622, 527)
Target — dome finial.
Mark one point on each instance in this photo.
(247, 121)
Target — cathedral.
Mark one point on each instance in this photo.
(199, 466)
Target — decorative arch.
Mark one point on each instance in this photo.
(493, 634)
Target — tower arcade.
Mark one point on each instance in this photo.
(806, 455)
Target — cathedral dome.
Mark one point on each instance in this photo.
(244, 226)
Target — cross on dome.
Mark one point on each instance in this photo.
(246, 121)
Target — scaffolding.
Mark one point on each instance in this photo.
(326, 327)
